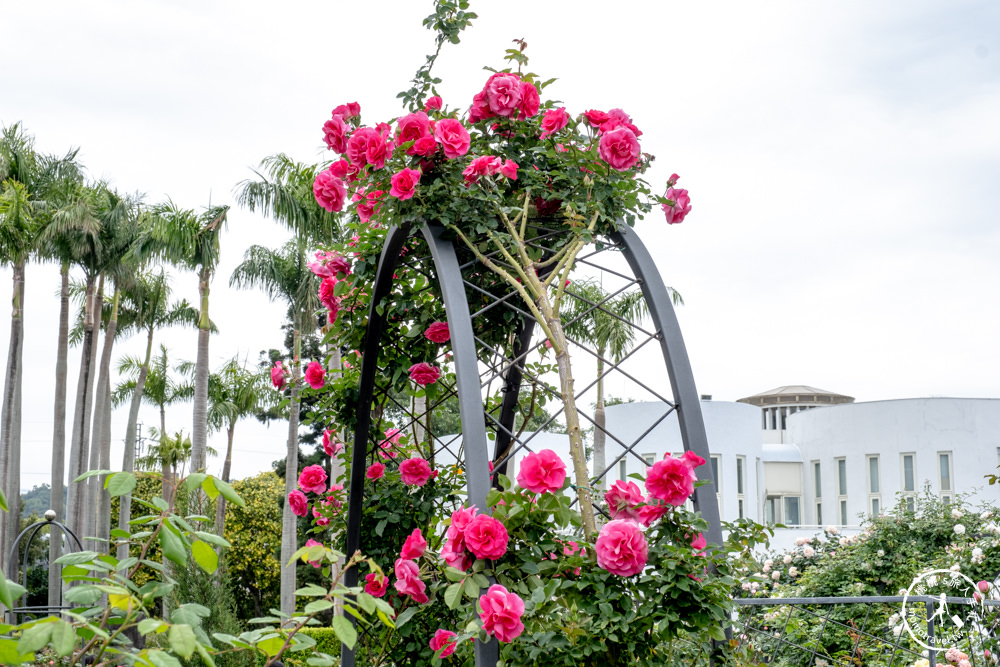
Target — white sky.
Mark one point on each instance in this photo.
(842, 160)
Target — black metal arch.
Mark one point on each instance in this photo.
(33, 530)
(473, 417)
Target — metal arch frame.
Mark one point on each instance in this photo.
(34, 528)
(690, 421)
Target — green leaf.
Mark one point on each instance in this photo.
(34, 638)
(345, 631)
(406, 616)
(366, 602)
(120, 483)
(453, 594)
(208, 486)
(205, 556)
(271, 645)
(472, 588)
(317, 606)
(9, 654)
(118, 532)
(182, 640)
(212, 538)
(63, 638)
(3, 502)
(84, 595)
(194, 480)
(5, 595)
(92, 473)
(161, 659)
(206, 657)
(148, 625)
(173, 545)
(228, 493)
(77, 557)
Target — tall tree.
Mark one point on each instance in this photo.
(191, 240)
(285, 275)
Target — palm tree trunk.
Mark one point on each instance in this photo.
(599, 435)
(199, 432)
(220, 508)
(79, 444)
(289, 526)
(8, 422)
(56, 502)
(128, 459)
(95, 485)
(166, 480)
(95, 415)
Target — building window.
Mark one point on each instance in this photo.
(741, 464)
(818, 492)
(843, 512)
(650, 459)
(782, 509)
(946, 477)
(874, 486)
(622, 470)
(792, 511)
(763, 414)
(841, 464)
(908, 470)
(784, 416)
(819, 514)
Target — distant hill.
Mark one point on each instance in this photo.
(37, 500)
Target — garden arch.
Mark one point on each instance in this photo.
(478, 365)
(48, 521)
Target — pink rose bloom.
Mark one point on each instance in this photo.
(503, 93)
(486, 537)
(415, 471)
(698, 543)
(480, 109)
(681, 205)
(329, 191)
(341, 169)
(596, 118)
(437, 332)
(379, 148)
(542, 472)
(326, 296)
(528, 106)
(650, 514)
(479, 167)
(454, 555)
(298, 502)
(375, 471)
(501, 613)
(618, 118)
(332, 309)
(412, 127)
(347, 111)
(320, 519)
(335, 134)
(404, 183)
(408, 580)
(692, 459)
(424, 374)
(509, 169)
(433, 103)
(357, 145)
(376, 585)
(278, 374)
(331, 447)
(621, 548)
(312, 479)
(453, 137)
(554, 120)
(619, 148)
(671, 480)
(313, 543)
(424, 146)
(623, 500)
(368, 204)
(414, 546)
(329, 265)
(315, 375)
(672, 181)
(460, 520)
(444, 641)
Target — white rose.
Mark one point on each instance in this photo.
(808, 552)
(799, 541)
(776, 575)
(787, 560)
(959, 529)
(881, 553)
(844, 541)
(956, 513)
(985, 515)
(832, 530)
(793, 571)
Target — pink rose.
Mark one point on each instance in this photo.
(618, 118)
(313, 543)
(376, 585)
(503, 93)
(501, 613)
(480, 109)
(415, 471)
(329, 265)
(433, 103)
(331, 447)
(486, 537)
(454, 555)
(315, 375)
(509, 169)
(368, 204)
(424, 146)
(619, 148)
(278, 375)
(357, 145)
(412, 127)
(596, 118)
(408, 580)
(375, 471)
(424, 374)
(672, 181)
(437, 332)
(528, 106)
(460, 520)
(479, 167)
(623, 500)
(554, 120)
(404, 183)
(698, 543)
(671, 480)
(329, 191)
(321, 520)
(312, 479)
(341, 169)
(681, 206)
(335, 134)
(347, 111)
(444, 641)
(326, 294)
(453, 137)
(651, 513)
(298, 502)
(691, 459)
(542, 472)
(621, 548)
(379, 147)
(414, 546)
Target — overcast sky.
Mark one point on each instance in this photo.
(843, 161)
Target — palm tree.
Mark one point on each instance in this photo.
(160, 389)
(168, 453)
(234, 393)
(284, 274)
(604, 321)
(191, 240)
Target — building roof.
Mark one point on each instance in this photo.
(796, 394)
(784, 452)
